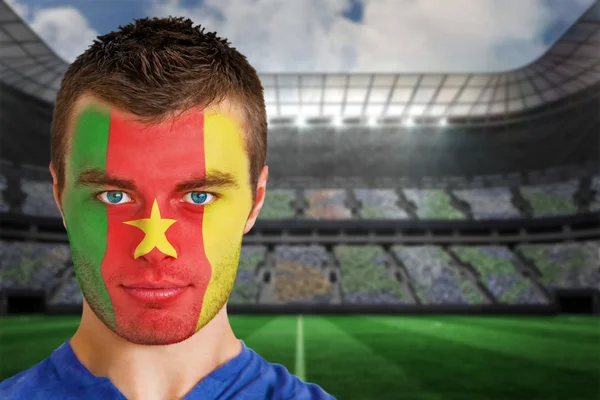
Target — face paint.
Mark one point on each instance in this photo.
(158, 225)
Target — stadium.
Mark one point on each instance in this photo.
(424, 236)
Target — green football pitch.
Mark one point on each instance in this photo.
(391, 357)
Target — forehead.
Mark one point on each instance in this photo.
(229, 109)
(178, 144)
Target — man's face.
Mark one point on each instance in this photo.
(155, 215)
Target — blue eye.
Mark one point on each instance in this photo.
(201, 198)
(114, 197)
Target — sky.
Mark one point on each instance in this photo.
(334, 36)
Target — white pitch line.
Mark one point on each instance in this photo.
(300, 365)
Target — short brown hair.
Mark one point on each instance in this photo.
(153, 67)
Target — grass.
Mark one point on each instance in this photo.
(391, 357)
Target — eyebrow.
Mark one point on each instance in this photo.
(97, 177)
(214, 179)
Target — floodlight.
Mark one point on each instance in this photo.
(301, 121)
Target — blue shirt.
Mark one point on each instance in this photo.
(247, 376)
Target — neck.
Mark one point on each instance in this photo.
(153, 372)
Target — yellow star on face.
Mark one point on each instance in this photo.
(154, 228)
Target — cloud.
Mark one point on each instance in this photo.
(455, 35)
(21, 9)
(393, 36)
(276, 35)
(314, 36)
(65, 29)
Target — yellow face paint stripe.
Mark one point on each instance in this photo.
(225, 219)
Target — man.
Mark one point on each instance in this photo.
(158, 161)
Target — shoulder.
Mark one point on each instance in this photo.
(261, 379)
(29, 384)
(45, 381)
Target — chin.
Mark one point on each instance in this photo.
(155, 330)
(155, 338)
(157, 326)
(150, 326)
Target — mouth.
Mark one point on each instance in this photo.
(155, 292)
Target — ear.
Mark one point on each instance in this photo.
(261, 188)
(56, 193)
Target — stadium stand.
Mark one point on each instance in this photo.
(489, 203)
(494, 266)
(435, 279)
(69, 294)
(366, 277)
(565, 265)
(380, 204)
(299, 274)
(327, 204)
(278, 205)
(39, 199)
(33, 265)
(367, 274)
(247, 281)
(433, 204)
(556, 199)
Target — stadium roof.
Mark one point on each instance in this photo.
(570, 65)
(26, 62)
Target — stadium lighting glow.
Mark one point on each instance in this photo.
(372, 121)
(337, 121)
(301, 121)
(409, 122)
(443, 122)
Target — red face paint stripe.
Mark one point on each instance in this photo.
(155, 158)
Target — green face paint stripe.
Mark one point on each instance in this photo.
(85, 217)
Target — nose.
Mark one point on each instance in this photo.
(155, 257)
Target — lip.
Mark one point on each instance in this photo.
(155, 293)
(154, 285)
